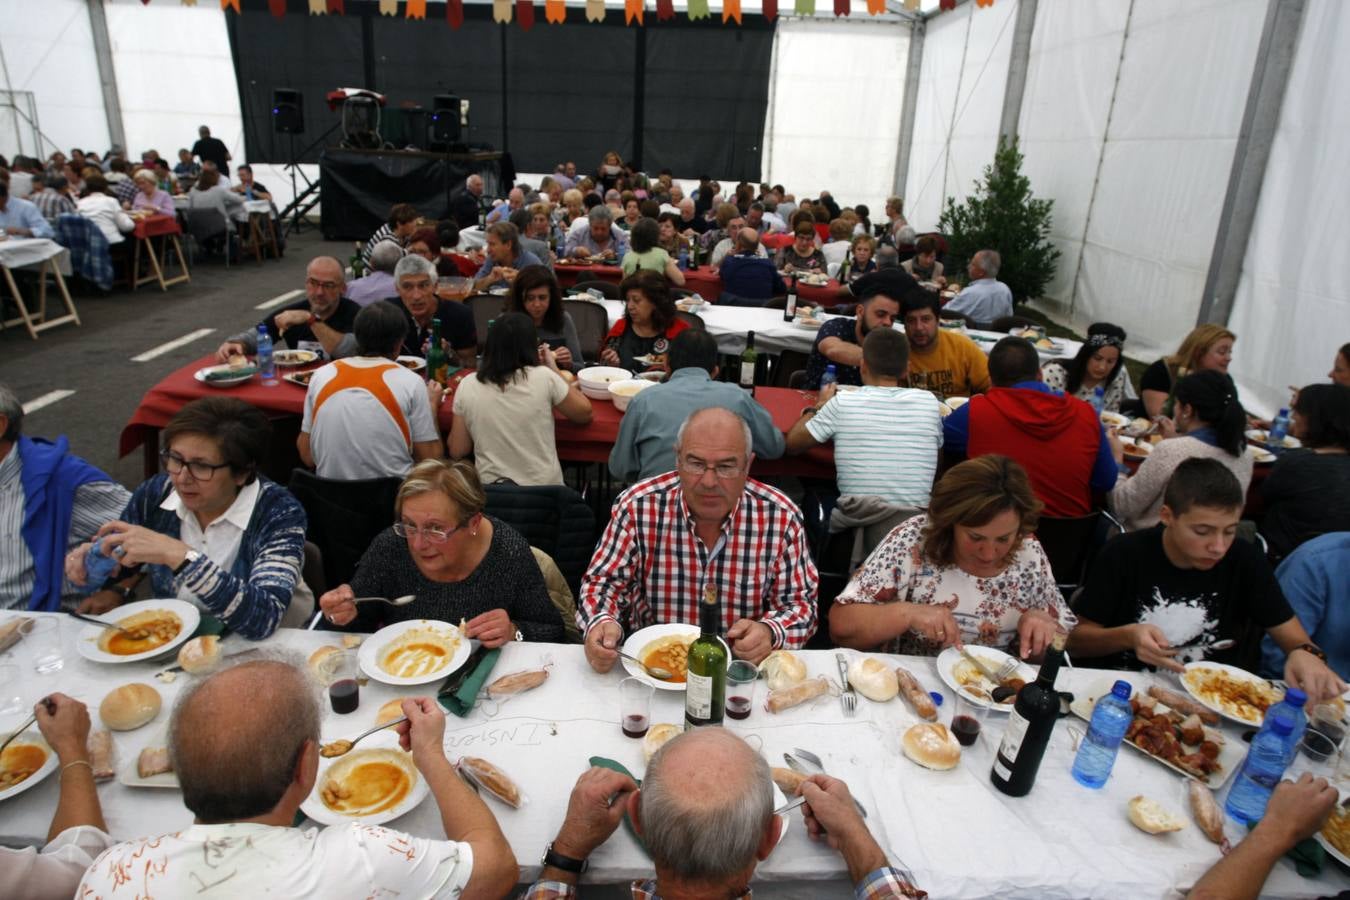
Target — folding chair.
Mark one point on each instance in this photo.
(592, 323)
(485, 308)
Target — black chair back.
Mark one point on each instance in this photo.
(608, 288)
(485, 308)
(344, 517)
(1069, 544)
(789, 363)
(691, 319)
(592, 322)
(552, 517)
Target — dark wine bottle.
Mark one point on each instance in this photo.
(705, 688)
(1030, 725)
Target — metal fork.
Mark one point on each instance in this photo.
(849, 697)
(1006, 670)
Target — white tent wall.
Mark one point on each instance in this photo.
(1292, 309)
(836, 126)
(965, 68)
(49, 50)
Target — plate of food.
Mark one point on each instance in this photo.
(1233, 693)
(1262, 456)
(416, 363)
(294, 357)
(1261, 436)
(1136, 449)
(815, 279)
(1334, 835)
(960, 674)
(227, 375)
(595, 380)
(373, 784)
(161, 625)
(299, 378)
(807, 322)
(416, 651)
(666, 646)
(151, 767)
(1114, 419)
(1182, 743)
(24, 763)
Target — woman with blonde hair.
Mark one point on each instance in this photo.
(1208, 347)
(462, 565)
(968, 571)
(150, 197)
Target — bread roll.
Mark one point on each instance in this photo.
(492, 779)
(129, 707)
(915, 695)
(200, 655)
(782, 669)
(932, 746)
(657, 737)
(101, 755)
(1205, 811)
(317, 657)
(1149, 815)
(798, 693)
(390, 711)
(787, 780)
(873, 680)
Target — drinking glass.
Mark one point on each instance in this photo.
(341, 674)
(967, 720)
(635, 706)
(741, 678)
(1324, 734)
(43, 637)
(11, 690)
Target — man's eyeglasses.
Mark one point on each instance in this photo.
(323, 285)
(201, 471)
(697, 468)
(430, 535)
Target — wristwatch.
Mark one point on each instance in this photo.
(125, 591)
(188, 559)
(809, 411)
(566, 863)
(519, 638)
(1314, 650)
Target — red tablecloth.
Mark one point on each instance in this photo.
(576, 443)
(702, 280)
(778, 241)
(156, 225)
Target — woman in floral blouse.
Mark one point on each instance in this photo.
(970, 571)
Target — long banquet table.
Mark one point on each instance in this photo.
(961, 838)
(703, 281)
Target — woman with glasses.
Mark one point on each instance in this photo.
(209, 530)
(460, 563)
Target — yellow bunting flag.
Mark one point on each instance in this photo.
(388, 7)
(189, 2)
(697, 9)
(731, 9)
(501, 12)
(595, 10)
(806, 7)
(555, 11)
(317, 8)
(633, 9)
(911, 5)
(415, 9)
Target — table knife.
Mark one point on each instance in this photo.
(980, 666)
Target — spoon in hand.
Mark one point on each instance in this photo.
(343, 746)
(397, 601)
(656, 672)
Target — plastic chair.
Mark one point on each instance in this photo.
(485, 308)
(553, 518)
(207, 225)
(344, 517)
(592, 323)
(693, 320)
(608, 288)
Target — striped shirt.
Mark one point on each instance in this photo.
(651, 567)
(885, 442)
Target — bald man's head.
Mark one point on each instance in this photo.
(236, 739)
(705, 807)
(747, 239)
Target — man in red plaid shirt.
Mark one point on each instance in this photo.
(705, 523)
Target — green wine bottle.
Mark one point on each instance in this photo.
(705, 688)
(438, 364)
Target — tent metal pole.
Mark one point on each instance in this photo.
(1265, 97)
(1018, 60)
(910, 106)
(107, 75)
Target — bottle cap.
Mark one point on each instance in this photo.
(937, 697)
(1281, 725)
(1295, 697)
(1122, 690)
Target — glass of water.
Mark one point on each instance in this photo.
(43, 637)
(11, 690)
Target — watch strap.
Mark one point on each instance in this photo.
(1314, 650)
(188, 559)
(566, 863)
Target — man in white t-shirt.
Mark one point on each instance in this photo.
(245, 768)
(368, 416)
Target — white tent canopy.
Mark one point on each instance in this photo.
(1131, 120)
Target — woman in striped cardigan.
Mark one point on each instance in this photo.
(210, 531)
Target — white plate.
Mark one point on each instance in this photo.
(1332, 851)
(1114, 419)
(1234, 672)
(86, 642)
(1231, 752)
(638, 640)
(992, 658)
(299, 379)
(132, 778)
(315, 808)
(595, 380)
(200, 375)
(418, 362)
(813, 324)
(294, 357)
(1260, 436)
(369, 653)
(32, 736)
(1133, 448)
(1262, 456)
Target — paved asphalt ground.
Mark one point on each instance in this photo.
(94, 359)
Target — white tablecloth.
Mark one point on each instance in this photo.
(729, 324)
(962, 838)
(26, 252)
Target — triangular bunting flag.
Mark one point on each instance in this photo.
(665, 10)
(984, 2)
(946, 4)
(632, 10)
(595, 10)
(501, 12)
(525, 14)
(806, 7)
(841, 7)
(415, 9)
(388, 7)
(230, 4)
(277, 7)
(911, 5)
(316, 7)
(555, 11)
(876, 7)
(335, 6)
(731, 9)
(454, 12)
(770, 9)
(697, 9)
(189, 2)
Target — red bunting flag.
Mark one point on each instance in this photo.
(841, 7)
(770, 9)
(277, 7)
(665, 10)
(525, 14)
(335, 6)
(555, 11)
(731, 9)
(633, 10)
(946, 4)
(454, 12)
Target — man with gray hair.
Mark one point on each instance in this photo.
(466, 202)
(601, 239)
(705, 814)
(501, 212)
(705, 525)
(50, 502)
(317, 323)
(245, 768)
(986, 298)
(379, 284)
(415, 282)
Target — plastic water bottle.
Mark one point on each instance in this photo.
(1292, 708)
(266, 367)
(830, 376)
(1099, 400)
(98, 568)
(1111, 717)
(1279, 427)
(682, 261)
(1261, 771)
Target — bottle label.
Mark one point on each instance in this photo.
(747, 373)
(698, 691)
(1001, 770)
(791, 305)
(1013, 737)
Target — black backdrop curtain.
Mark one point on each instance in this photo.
(688, 96)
